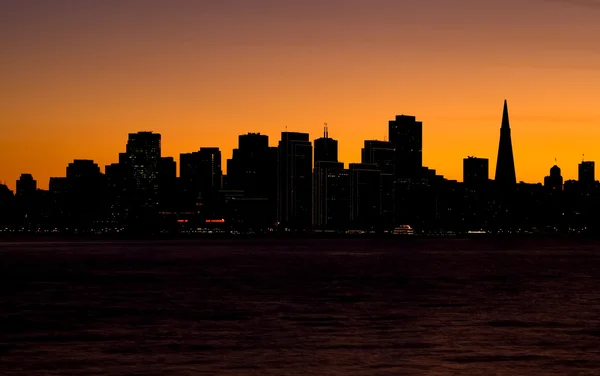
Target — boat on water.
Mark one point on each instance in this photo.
(403, 230)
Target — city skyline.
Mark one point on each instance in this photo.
(81, 76)
(225, 154)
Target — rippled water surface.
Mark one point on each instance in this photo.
(333, 307)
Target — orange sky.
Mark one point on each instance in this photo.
(78, 76)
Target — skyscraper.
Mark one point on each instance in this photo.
(381, 154)
(142, 159)
(331, 183)
(27, 200)
(201, 177)
(167, 183)
(253, 167)
(475, 171)
(365, 195)
(86, 195)
(505, 165)
(294, 188)
(7, 206)
(587, 173)
(406, 136)
(326, 148)
(252, 172)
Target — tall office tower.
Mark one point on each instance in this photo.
(505, 166)
(587, 173)
(167, 183)
(554, 181)
(201, 177)
(326, 148)
(328, 175)
(332, 196)
(365, 195)
(142, 159)
(117, 192)
(85, 203)
(406, 136)
(27, 201)
(7, 206)
(58, 189)
(475, 171)
(294, 176)
(253, 167)
(381, 154)
(252, 172)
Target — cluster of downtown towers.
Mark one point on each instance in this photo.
(299, 186)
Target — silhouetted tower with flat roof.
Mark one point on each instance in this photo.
(505, 165)
(252, 170)
(406, 136)
(143, 155)
(381, 154)
(294, 188)
(587, 173)
(201, 178)
(475, 171)
(85, 194)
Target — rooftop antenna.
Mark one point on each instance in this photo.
(326, 131)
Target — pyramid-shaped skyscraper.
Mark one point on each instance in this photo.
(505, 165)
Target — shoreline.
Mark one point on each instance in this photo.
(296, 237)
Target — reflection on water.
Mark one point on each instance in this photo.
(336, 307)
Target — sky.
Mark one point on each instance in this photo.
(77, 76)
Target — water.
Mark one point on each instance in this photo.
(337, 307)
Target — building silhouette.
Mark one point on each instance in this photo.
(406, 137)
(27, 202)
(252, 183)
(7, 207)
(26, 186)
(505, 165)
(143, 152)
(167, 184)
(140, 191)
(201, 180)
(269, 188)
(365, 184)
(554, 181)
(326, 148)
(117, 191)
(587, 173)
(382, 154)
(331, 187)
(294, 194)
(85, 195)
(475, 171)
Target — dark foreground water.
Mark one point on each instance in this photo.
(338, 307)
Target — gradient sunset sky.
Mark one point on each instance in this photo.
(77, 76)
